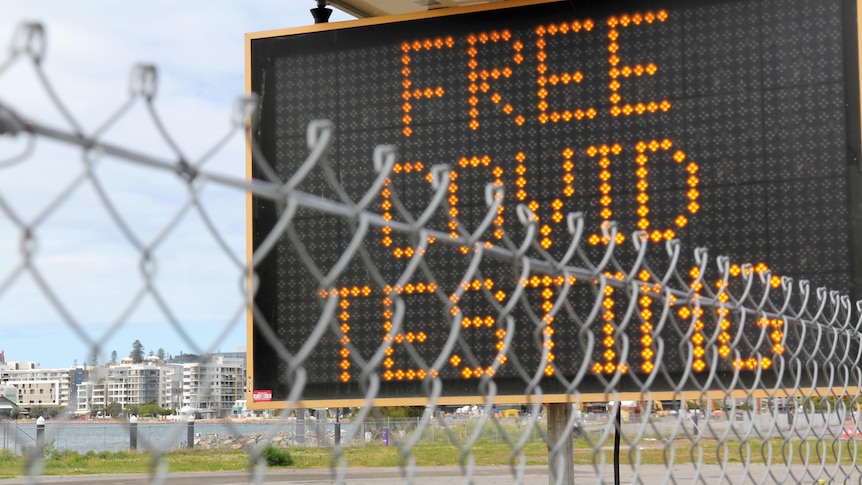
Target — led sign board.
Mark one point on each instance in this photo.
(731, 125)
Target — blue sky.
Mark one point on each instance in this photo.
(87, 262)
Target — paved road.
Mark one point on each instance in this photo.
(534, 475)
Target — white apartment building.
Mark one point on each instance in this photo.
(91, 395)
(134, 384)
(39, 387)
(85, 397)
(172, 387)
(212, 388)
(129, 383)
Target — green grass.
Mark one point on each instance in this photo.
(434, 454)
(74, 463)
(205, 460)
(485, 453)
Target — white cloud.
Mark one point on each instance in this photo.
(89, 264)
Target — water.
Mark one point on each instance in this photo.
(98, 436)
(115, 436)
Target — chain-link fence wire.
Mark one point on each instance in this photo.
(720, 332)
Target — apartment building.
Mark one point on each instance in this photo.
(128, 383)
(84, 397)
(212, 388)
(208, 388)
(41, 387)
(134, 384)
(172, 387)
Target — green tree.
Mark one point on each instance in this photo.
(137, 353)
(114, 357)
(151, 409)
(161, 354)
(401, 411)
(113, 409)
(37, 411)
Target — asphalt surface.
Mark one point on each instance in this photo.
(533, 475)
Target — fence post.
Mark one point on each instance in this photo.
(190, 434)
(40, 433)
(300, 426)
(133, 433)
(337, 426)
(559, 415)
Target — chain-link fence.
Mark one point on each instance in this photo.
(737, 371)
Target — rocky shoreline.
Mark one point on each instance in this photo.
(281, 439)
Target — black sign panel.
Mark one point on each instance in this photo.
(731, 125)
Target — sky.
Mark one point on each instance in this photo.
(78, 279)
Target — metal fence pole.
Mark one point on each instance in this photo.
(133, 433)
(337, 426)
(300, 426)
(190, 432)
(40, 433)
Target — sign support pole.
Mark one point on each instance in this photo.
(559, 415)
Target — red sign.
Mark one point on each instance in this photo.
(262, 396)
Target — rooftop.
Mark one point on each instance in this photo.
(377, 8)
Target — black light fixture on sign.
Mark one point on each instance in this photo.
(321, 13)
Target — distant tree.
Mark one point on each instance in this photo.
(133, 409)
(151, 409)
(137, 353)
(114, 357)
(400, 411)
(113, 409)
(92, 358)
(161, 354)
(14, 413)
(151, 353)
(46, 412)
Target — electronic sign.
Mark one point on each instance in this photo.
(731, 125)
